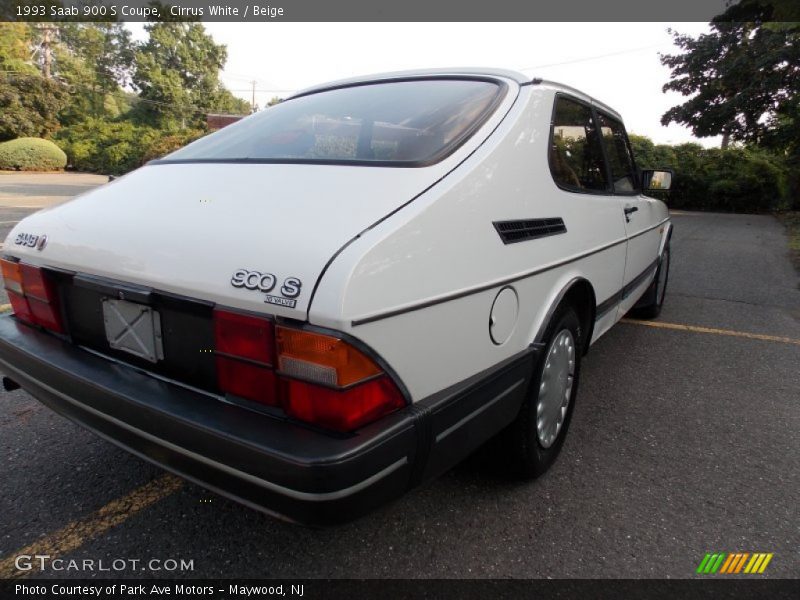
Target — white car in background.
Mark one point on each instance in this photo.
(333, 300)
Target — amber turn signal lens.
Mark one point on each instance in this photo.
(12, 276)
(322, 358)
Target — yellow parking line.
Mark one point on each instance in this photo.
(77, 533)
(5, 308)
(696, 329)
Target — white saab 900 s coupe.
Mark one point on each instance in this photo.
(335, 299)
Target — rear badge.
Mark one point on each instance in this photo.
(30, 240)
(266, 282)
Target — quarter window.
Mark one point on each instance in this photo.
(619, 155)
(576, 158)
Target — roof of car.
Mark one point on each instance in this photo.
(516, 76)
(473, 72)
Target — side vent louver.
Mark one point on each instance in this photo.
(512, 232)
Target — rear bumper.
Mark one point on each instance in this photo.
(259, 460)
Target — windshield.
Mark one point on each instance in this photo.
(393, 123)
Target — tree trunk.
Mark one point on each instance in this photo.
(726, 140)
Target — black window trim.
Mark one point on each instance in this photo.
(447, 151)
(609, 191)
(636, 180)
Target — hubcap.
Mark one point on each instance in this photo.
(555, 388)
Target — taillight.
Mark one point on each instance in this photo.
(333, 384)
(244, 349)
(316, 378)
(33, 296)
(322, 358)
(342, 410)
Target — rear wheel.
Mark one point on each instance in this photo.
(649, 307)
(533, 441)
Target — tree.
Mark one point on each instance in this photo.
(742, 79)
(95, 60)
(29, 105)
(177, 73)
(15, 48)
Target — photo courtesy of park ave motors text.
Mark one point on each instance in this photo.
(404, 301)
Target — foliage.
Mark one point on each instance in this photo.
(733, 179)
(168, 142)
(94, 60)
(742, 81)
(15, 41)
(116, 147)
(31, 154)
(29, 106)
(177, 73)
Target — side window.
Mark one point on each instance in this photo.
(576, 158)
(619, 155)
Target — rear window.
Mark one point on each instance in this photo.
(393, 123)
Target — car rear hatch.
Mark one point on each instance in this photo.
(180, 239)
(188, 229)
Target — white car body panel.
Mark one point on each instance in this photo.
(354, 234)
(444, 244)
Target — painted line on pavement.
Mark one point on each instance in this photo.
(729, 332)
(77, 533)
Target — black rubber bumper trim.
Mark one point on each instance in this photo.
(259, 460)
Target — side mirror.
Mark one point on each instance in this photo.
(656, 180)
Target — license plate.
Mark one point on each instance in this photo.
(133, 328)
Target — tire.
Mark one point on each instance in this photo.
(523, 451)
(649, 307)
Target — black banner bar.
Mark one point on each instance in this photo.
(265, 11)
(711, 588)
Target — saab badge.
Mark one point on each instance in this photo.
(29, 240)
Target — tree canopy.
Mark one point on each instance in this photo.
(177, 73)
(742, 78)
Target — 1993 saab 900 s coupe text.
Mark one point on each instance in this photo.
(333, 300)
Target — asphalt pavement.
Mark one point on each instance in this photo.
(683, 442)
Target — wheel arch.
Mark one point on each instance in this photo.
(578, 292)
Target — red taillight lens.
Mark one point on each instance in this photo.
(323, 380)
(20, 306)
(330, 382)
(247, 380)
(244, 336)
(33, 297)
(244, 346)
(342, 410)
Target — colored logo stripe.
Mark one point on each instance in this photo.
(722, 562)
(758, 563)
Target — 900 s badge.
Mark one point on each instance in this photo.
(265, 282)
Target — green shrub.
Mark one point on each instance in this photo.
(31, 154)
(169, 142)
(735, 179)
(116, 147)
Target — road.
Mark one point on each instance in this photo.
(24, 193)
(683, 442)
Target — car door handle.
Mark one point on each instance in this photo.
(629, 211)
